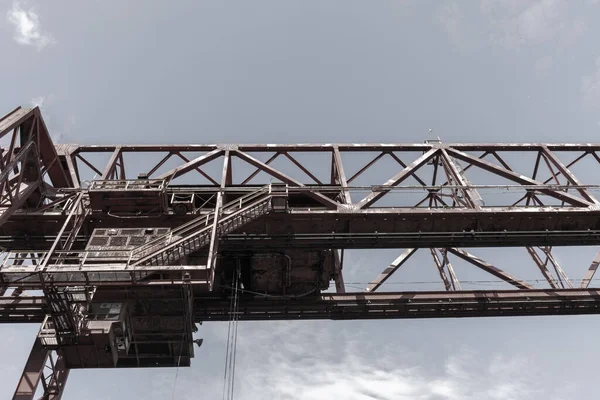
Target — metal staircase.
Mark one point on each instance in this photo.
(196, 234)
(66, 307)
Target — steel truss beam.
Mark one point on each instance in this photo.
(444, 154)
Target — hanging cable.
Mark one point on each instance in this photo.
(232, 329)
(178, 363)
(227, 348)
(236, 319)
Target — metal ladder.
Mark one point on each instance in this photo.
(196, 234)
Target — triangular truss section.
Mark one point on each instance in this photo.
(442, 261)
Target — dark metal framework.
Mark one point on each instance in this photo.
(120, 267)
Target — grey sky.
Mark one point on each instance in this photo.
(111, 71)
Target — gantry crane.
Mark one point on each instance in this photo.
(118, 268)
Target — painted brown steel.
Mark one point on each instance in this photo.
(190, 165)
(517, 177)
(459, 304)
(353, 147)
(393, 267)
(284, 178)
(394, 305)
(490, 268)
(397, 179)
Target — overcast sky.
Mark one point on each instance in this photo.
(109, 71)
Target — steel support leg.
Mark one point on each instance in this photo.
(42, 367)
(54, 377)
(32, 373)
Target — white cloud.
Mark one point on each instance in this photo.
(310, 362)
(61, 126)
(590, 87)
(27, 27)
(531, 23)
(539, 22)
(38, 101)
(356, 377)
(512, 24)
(450, 17)
(543, 66)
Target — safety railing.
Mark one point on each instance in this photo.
(196, 224)
(123, 185)
(196, 234)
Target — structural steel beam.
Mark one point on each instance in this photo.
(42, 367)
(351, 147)
(393, 267)
(340, 176)
(112, 164)
(190, 165)
(570, 199)
(338, 260)
(400, 305)
(286, 179)
(32, 373)
(410, 240)
(487, 267)
(589, 275)
(564, 170)
(543, 267)
(410, 305)
(397, 179)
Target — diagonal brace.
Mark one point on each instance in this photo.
(487, 267)
(389, 271)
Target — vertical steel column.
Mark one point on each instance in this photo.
(454, 171)
(339, 176)
(214, 237)
(338, 260)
